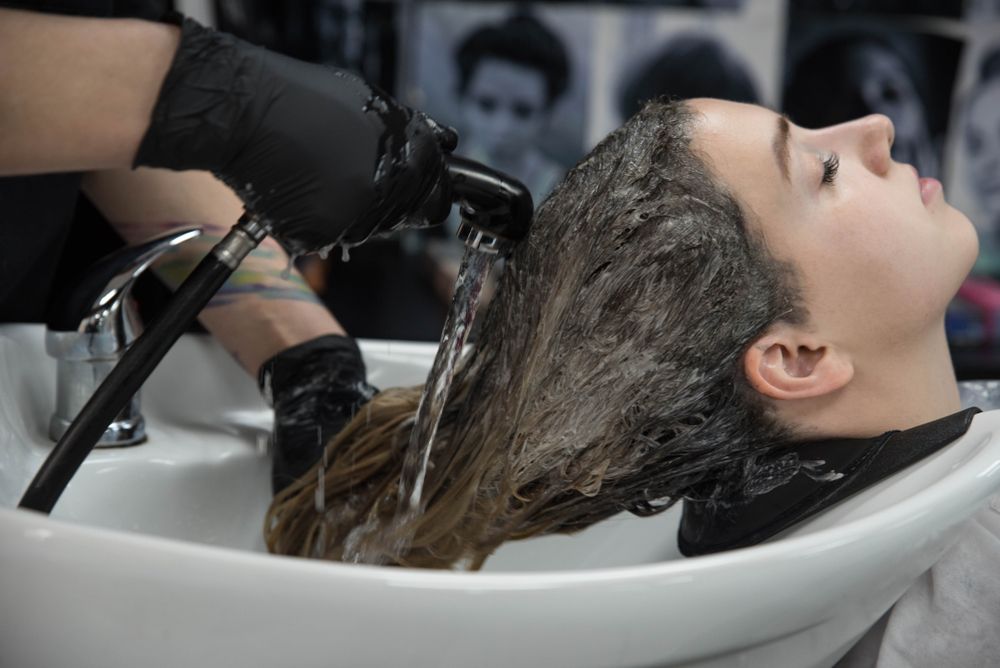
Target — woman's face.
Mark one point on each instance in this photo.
(879, 251)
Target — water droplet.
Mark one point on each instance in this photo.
(324, 252)
(266, 389)
(345, 253)
(320, 499)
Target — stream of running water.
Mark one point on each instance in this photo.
(458, 324)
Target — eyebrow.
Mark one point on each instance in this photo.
(780, 145)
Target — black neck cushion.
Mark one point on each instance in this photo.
(826, 472)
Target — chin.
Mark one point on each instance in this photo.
(962, 238)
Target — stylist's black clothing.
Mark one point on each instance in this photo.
(37, 212)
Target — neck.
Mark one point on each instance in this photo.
(908, 386)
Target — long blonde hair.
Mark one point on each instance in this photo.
(606, 376)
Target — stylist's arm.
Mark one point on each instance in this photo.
(310, 370)
(316, 153)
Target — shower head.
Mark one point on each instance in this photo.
(496, 209)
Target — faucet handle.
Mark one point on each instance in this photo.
(91, 326)
(101, 291)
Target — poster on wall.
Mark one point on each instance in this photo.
(512, 79)
(844, 66)
(532, 86)
(978, 12)
(906, 8)
(653, 51)
(973, 177)
(723, 5)
(357, 35)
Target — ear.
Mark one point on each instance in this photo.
(787, 363)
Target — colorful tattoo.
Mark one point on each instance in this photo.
(295, 290)
(263, 273)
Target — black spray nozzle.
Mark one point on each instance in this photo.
(496, 209)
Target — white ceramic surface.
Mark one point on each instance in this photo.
(153, 555)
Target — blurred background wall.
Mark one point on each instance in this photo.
(532, 86)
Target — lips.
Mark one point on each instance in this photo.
(929, 187)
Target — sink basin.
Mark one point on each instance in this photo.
(154, 556)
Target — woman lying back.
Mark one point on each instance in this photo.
(710, 283)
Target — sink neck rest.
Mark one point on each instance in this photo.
(804, 479)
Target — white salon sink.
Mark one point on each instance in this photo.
(154, 557)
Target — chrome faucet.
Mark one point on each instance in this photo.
(90, 328)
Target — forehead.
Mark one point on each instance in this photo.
(736, 142)
(498, 76)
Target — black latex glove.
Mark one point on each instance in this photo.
(315, 388)
(318, 154)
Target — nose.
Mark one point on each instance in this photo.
(874, 136)
(869, 138)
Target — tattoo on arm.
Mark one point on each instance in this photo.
(263, 274)
(268, 285)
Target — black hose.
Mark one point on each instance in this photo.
(129, 375)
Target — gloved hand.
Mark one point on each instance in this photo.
(317, 153)
(315, 389)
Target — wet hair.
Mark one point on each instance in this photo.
(607, 376)
(692, 65)
(523, 40)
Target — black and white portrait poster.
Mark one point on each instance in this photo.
(973, 175)
(512, 78)
(646, 51)
(846, 65)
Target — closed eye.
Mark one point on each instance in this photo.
(830, 167)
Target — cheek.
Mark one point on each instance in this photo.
(882, 270)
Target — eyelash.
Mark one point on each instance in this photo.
(830, 167)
